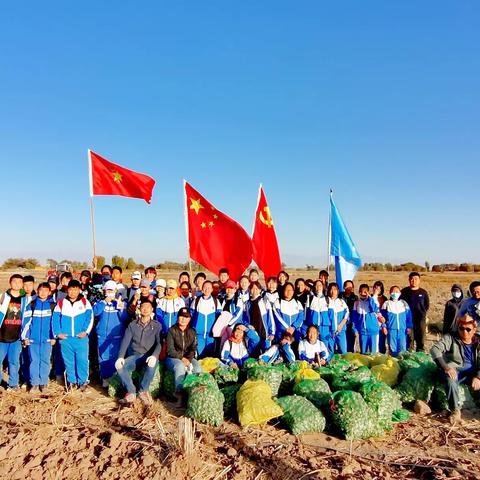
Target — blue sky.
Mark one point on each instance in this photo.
(378, 100)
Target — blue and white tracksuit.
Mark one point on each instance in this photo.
(307, 350)
(317, 315)
(233, 352)
(204, 313)
(267, 320)
(398, 318)
(71, 318)
(110, 328)
(241, 298)
(278, 354)
(38, 330)
(270, 298)
(337, 312)
(12, 349)
(167, 312)
(236, 308)
(288, 313)
(188, 300)
(365, 323)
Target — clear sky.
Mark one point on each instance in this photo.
(378, 100)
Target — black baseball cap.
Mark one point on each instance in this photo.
(184, 312)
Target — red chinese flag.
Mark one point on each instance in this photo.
(214, 239)
(265, 246)
(107, 178)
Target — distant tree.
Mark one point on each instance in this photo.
(437, 268)
(27, 263)
(284, 265)
(427, 266)
(118, 261)
(388, 267)
(51, 263)
(131, 264)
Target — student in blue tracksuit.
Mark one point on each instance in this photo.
(317, 314)
(240, 346)
(366, 320)
(205, 310)
(281, 352)
(259, 316)
(72, 321)
(168, 307)
(112, 317)
(312, 350)
(398, 321)
(242, 295)
(288, 314)
(12, 307)
(270, 295)
(338, 315)
(38, 336)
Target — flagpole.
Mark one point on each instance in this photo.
(186, 228)
(92, 211)
(329, 257)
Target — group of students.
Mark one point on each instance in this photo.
(65, 322)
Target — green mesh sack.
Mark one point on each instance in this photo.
(289, 372)
(352, 417)
(401, 415)
(409, 360)
(230, 399)
(300, 415)
(155, 387)
(351, 380)
(168, 383)
(418, 383)
(335, 369)
(205, 405)
(272, 375)
(316, 391)
(440, 398)
(115, 387)
(226, 375)
(117, 390)
(193, 380)
(249, 363)
(382, 399)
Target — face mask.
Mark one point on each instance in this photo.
(395, 295)
(457, 294)
(110, 295)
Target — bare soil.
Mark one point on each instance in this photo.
(87, 435)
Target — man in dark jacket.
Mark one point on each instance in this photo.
(419, 303)
(452, 307)
(141, 343)
(181, 350)
(457, 355)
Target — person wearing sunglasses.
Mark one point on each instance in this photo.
(457, 354)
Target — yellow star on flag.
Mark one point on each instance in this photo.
(203, 224)
(195, 205)
(211, 224)
(117, 178)
(215, 216)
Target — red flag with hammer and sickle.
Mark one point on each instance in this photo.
(265, 246)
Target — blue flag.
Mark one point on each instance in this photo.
(347, 259)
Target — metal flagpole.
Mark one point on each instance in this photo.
(186, 229)
(329, 257)
(92, 211)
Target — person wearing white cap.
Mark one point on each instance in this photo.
(112, 317)
(136, 278)
(160, 287)
(168, 307)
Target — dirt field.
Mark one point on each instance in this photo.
(75, 435)
(56, 436)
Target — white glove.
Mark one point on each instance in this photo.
(119, 363)
(151, 361)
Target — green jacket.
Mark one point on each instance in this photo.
(448, 353)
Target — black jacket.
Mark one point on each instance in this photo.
(451, 309)
(418, 301)
(181, 344)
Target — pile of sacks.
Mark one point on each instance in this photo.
(356, 396)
